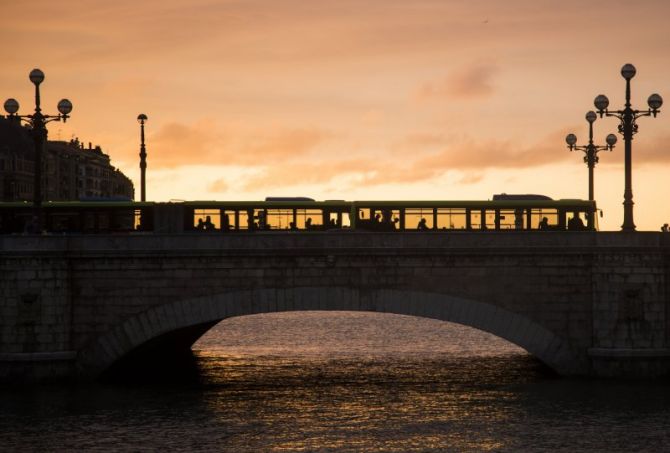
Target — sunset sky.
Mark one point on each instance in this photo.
(344, 99)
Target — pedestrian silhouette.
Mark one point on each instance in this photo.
(544, 223)
(208, 225)
(575, 223)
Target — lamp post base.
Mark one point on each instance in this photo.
(628, 224)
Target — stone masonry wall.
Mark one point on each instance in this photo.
(606, 294)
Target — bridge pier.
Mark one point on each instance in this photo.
(589, 304)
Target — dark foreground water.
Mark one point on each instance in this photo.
(344, 382)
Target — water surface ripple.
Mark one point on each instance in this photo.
(339, 382)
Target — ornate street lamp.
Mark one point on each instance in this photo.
(628, 128)
(38, 121)
(142, 118)
(590, 150)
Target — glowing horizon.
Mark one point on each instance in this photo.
(347, 100)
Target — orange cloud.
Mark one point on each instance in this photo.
(297, 173)
(471, 178)
(175, 141)
(220, 185)
(466, 155)
(424, 139)
(202, 143)
(494, 154)
(283, 144)
(474, 81)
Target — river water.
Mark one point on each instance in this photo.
(339, 382)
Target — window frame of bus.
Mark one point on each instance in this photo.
(483, 219)
(192, 214)
(447, 213)
(408, 218)
(303, 213)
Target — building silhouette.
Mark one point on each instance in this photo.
(71, 171)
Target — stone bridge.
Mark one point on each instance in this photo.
(591, 304)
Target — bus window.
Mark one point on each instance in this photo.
(204, 219)
(280, 219)
(137, 220)
(260, 219)
(346, 219)
(482, 219)
(309, 219)
(336, 219)
(244, 222)
(511, 219)
(451, 218)
(576, 220)
(419, 218)
(228, 219)
(143, 219)
(390, 219)
(537, 217)
(364, 214)
(490, 219)
(380, 219)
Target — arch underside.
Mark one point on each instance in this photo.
(178, 325)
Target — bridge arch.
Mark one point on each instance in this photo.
(193, 317)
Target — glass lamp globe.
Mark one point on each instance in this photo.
(11, 106)
(601, 102)
(36, 76)
(64, 106)
(628, 71)
(655, 101)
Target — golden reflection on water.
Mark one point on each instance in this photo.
(343, 382)
(349, 408)
(403, 390)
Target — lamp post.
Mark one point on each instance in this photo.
(142, 118)
(38, 122)
(627, 128)
(590, 150)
